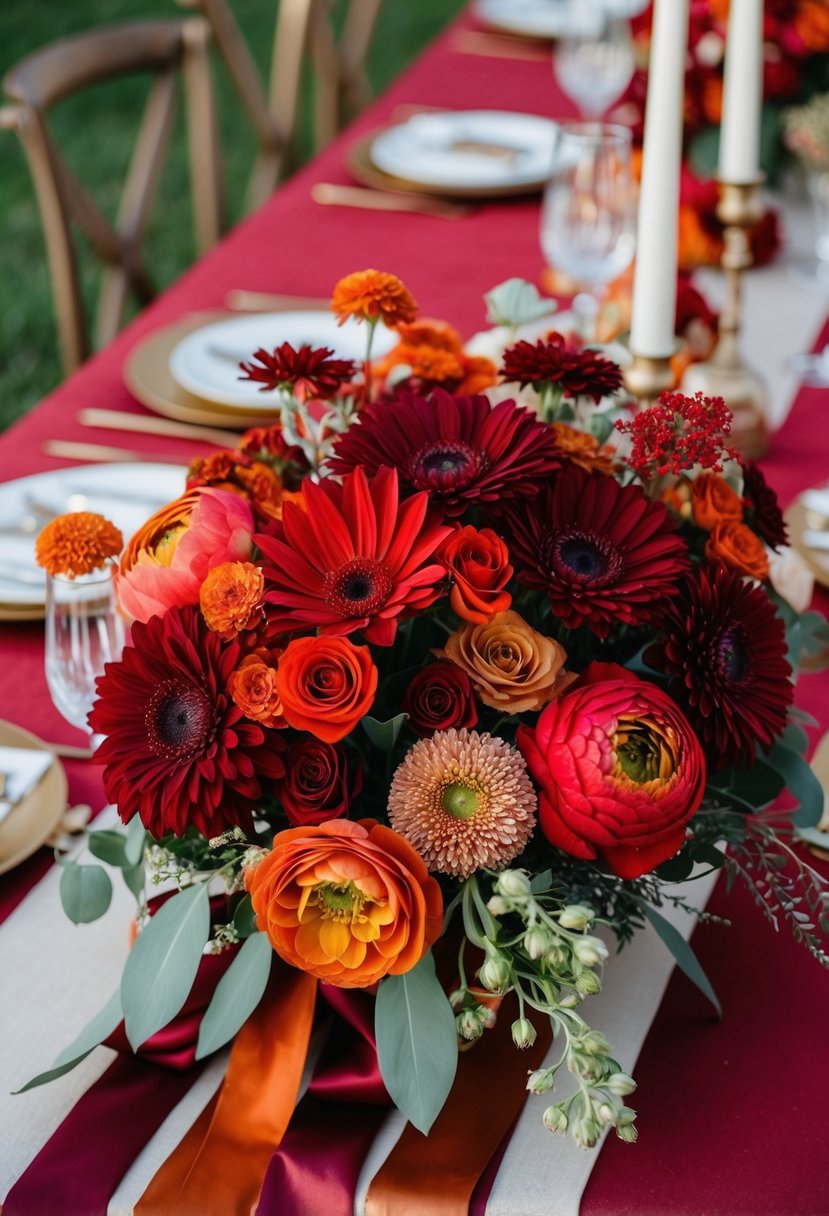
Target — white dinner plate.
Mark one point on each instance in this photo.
(532, 18)
(481, 149)
(206, 362)
(127, 494)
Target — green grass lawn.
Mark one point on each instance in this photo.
(96, 131)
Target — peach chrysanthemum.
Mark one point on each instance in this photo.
(77, 544)
(373, 295)
(463, 800)
(231, 598)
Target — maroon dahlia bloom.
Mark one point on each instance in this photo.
(178, 752)
(308, 372)
(602, 552)
(578, 372)
(762, 508)
(724, 650)
(461, 450)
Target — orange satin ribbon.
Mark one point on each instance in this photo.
(437, 1174)
(217, 1169)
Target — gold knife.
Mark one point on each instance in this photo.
(330, 194)
(68, 449)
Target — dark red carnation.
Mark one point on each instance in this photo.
(724, 649)
(440, 697)
(762, 508)
(178, 752)
(554, 361)
(461, 450)
(307, 372)
(319, 783)
(602, 552)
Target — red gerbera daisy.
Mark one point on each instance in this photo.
(577, 372)
(178, 752)
(602, 552)
(459, 449)
(307, 372)
(355, 558)
(724, 648)
(762, 507)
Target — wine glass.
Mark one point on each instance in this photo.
(593, 59)
(84, 630)
(587, 218)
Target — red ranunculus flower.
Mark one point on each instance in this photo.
(619, 769)
(319, 783)
(439, 697)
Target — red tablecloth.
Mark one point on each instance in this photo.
(732, 1113)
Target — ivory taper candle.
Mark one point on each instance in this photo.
(654, 283)
(742, 93)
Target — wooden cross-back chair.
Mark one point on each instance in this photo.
(165, 49)
(303, 32)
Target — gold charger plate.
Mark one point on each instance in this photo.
(363, 169)
(800, 519)
(29, 824)
(147, 376)
(22, 612)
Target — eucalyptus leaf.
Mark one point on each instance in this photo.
(686, 960)
(516, 302)
(108, 845)
(801, 783)
(541, 882)
(136, 839)
(237, 994)
(85, 892)
(384, 734)
(94, 1033)
(134, 878)
(244, 918)
(676, 868)
(162, 965)
(756, 786)
(417, 1044)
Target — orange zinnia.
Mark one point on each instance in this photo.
(373, 295)
(347, 902)
(77, 543)
(583, 449)
(737, 547)
(231, 598)
(326, 685)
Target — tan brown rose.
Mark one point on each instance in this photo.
(512, 668)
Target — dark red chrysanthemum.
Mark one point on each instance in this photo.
(355, 558)
(178, 753)
(459, 449)
(307, 372)
(602, 552)
(578, 372)
(762, 508)
(724, 648)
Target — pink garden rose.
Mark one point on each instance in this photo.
(619, 768)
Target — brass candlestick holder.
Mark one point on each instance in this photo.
(725, 374)
(647, 376)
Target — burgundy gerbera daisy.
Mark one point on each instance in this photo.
(762, 508)
(602, 552)
(355, 558)
(459, 449)
(178, 752)
(724, 649)
(307, 372)
(577, 372)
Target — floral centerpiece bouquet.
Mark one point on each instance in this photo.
(458, 660)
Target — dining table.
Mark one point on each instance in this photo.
(732, 1110)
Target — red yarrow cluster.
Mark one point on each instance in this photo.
(679, 433)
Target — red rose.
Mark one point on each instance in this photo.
(439, 697)
(319, 783)
(478, 563)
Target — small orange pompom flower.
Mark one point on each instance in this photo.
(253, 688)
(583, 449)
(737, 547)
(373, 295)
(326, 685)
(77, 544)
(231, 598)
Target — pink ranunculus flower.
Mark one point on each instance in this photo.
(220, 529)
(619, 769)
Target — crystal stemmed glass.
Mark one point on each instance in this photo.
(84, 630)
(587, 219)
(593, 59)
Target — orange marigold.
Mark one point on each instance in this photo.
(231, 598)
(77, 543)
(253, 688)
(373, 295)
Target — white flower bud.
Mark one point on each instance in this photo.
(457, 998)
(620, 1084)
(555, 957)
(594, 1043)
(541, 1081)
(606, 1114)
(569, 1000)
(495, 973)
(486, 1016)
(576, 916)
(628, 1133)
(589, 950)
(555, 1119)
(514, 884)
(498, 906)
(625, 1116)
(469, 1025)
(537, 941)
(588, 983)
(585, 1131)
(523, 1032)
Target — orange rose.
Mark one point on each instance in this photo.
(373, 295)
(512, 668)
(253, 688)
(479, 565)
(812, 24)
(326, 685)
(583, 449)
(231, 598)
(347, 902)
(739, 548)
(714, 502)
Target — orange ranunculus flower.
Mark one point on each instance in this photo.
(348, 902)
(812, 24)
(326, 685)
(479, 565)
(158, 537)
(714, 502)
(512, 668)
(584, 449)
(253, 688)
(737, 547)
(231, 598)
(77, 543)
(373, 295)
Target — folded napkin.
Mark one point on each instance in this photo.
(21, 768)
